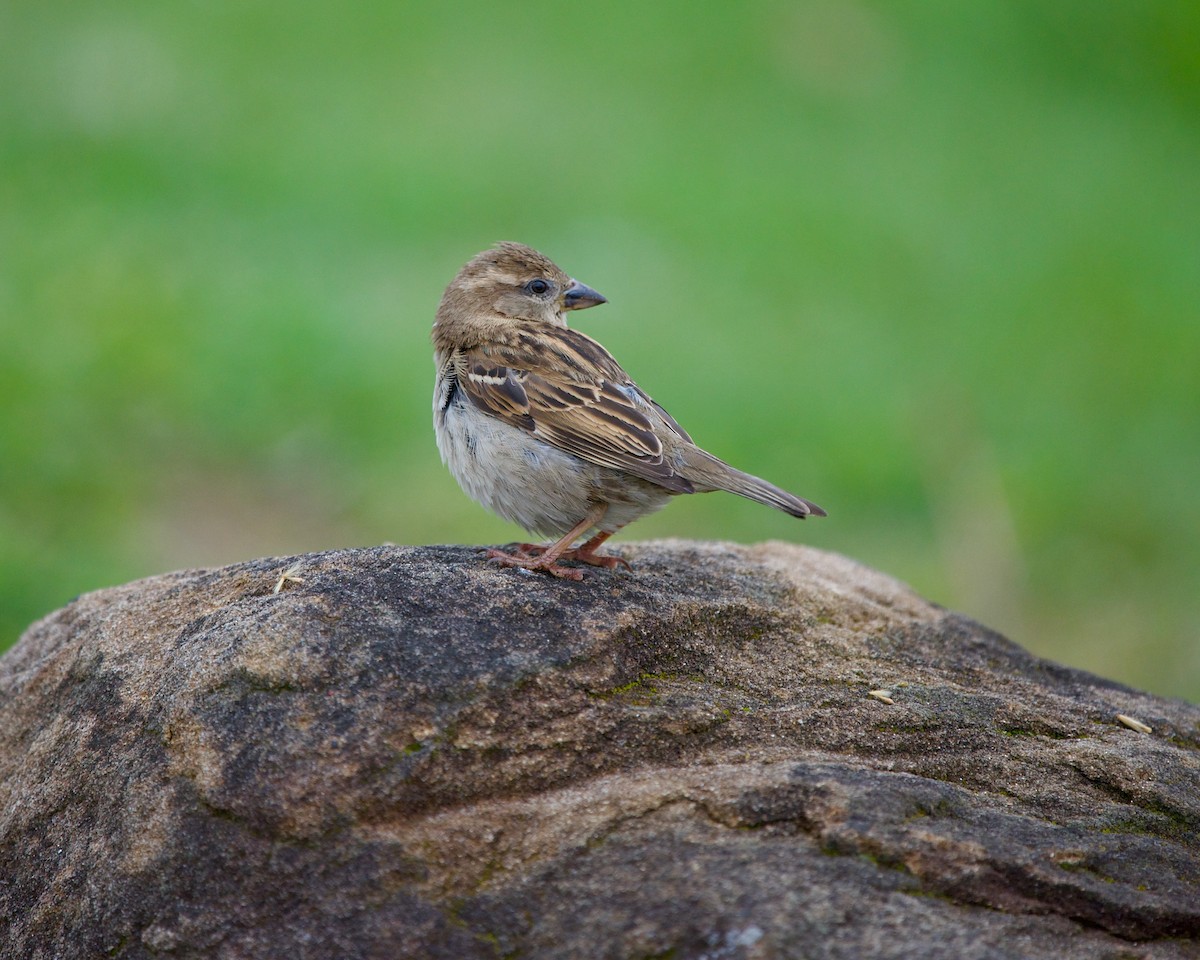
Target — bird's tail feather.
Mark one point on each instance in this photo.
(707, 472)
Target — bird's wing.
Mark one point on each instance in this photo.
(566, 389)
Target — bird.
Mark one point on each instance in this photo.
(540, 424)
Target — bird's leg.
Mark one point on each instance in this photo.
(586, 553)
(531, 549)
(548, 560)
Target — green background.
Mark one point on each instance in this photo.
(935, 266)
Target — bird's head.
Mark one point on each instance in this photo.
(510, 285)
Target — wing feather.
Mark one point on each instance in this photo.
(572, 394)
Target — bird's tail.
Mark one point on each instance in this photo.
(708, 473)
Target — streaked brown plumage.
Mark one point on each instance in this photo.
(541, 425)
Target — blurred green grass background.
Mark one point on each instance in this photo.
(935, 266)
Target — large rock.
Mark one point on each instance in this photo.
(410, 753)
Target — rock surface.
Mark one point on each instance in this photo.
(409, 753)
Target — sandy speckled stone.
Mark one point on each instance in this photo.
(411, 753)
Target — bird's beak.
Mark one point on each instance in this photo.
(580, 296)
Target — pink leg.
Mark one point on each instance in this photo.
(548, 559)
(586, 553)
(531, 549)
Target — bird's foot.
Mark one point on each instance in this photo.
(544, 564)
(607, 561)
(582, 554)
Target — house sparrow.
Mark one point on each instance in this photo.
(542, 426)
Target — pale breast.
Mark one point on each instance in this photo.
(524, 480)
(527, 481)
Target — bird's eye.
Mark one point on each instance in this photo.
(538, 287)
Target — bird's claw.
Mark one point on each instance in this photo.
(519, 559)
(607, 561)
